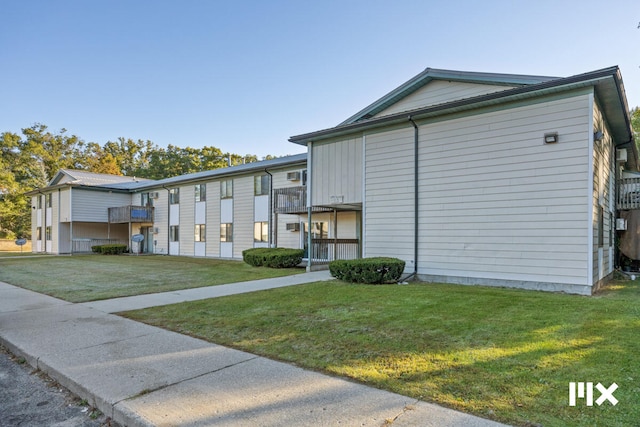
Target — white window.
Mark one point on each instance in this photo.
(174, 196)
(226, 189)
(261, 185)
(174, 233)
(201, 192)
(226, 232)
(200, 233)
(261, 232)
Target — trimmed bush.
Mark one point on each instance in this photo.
(367, 270)
(273, 257)
(114, 249)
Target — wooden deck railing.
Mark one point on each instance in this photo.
(131, 214)
(628, 194)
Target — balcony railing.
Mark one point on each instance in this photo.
(131, 214)
(80, 245)
(628, 194)
(293, 200)
(324, 251)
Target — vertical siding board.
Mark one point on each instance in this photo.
(340, 162)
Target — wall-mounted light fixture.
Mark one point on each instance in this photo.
(598, 135)
(551, 138)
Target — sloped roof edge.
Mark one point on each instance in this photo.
(607, 82)
(431, 74)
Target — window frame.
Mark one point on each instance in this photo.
(200, 233)
(261, 232)
(174, 196)
(174, 233)
(226, 232)
(226, 189)
(200, 192)
(261, 185)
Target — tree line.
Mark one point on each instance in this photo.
(31, 159)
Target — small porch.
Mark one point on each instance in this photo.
(335, 229)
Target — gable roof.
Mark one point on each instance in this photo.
(606, 82)
(90, 179)
(431, 74)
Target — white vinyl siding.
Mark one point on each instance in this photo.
(160, 214)
(438, 92)
(283, 237)
(603, 199)
(65, 206)
(187, 222)
(498, 203)
(389, 207)
(213, 209)
(93, 206)
(339, 172)
(243, 211)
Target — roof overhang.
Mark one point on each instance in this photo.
(607, 84)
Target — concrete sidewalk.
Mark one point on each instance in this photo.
(140, 375)
(172, 297)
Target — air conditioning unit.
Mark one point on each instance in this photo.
(621, 155)
(621, 224)
(156, 230)
(293, 226)
(293, 176)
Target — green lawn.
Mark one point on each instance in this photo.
(81, 278)
(503, 354)
(4, 254)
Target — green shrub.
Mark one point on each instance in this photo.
(114, 249)
(367, 270)
(273, 257)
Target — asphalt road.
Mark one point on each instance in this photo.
(30, 398)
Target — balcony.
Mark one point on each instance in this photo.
(131, 214)
(628, 194)
(293, 200)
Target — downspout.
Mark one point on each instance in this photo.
(270, 203)
(309, 202)
(58, 224)
(168, 218)
(415, 200)
(71, 218)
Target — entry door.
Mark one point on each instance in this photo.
(147, 243)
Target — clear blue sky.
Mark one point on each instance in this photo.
(245, 75)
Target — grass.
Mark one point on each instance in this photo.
(503, 354)
(4, 254)
(81, 278)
